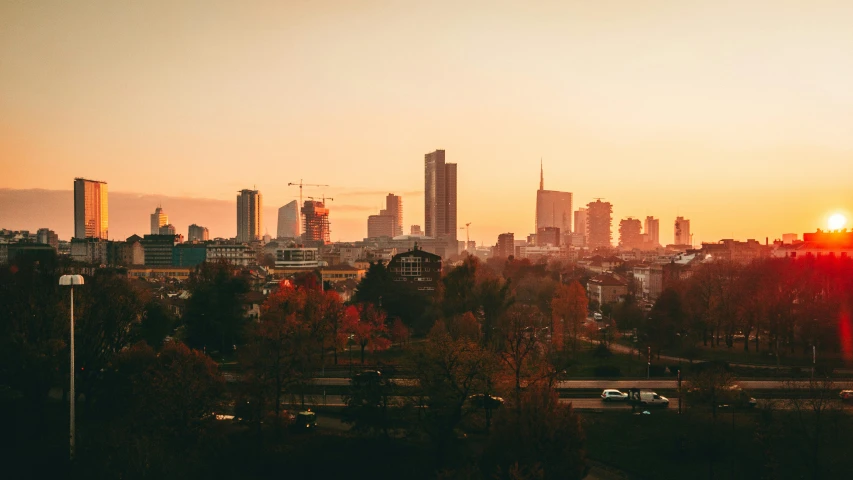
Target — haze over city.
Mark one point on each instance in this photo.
(662, 109)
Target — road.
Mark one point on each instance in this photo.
(618, 384)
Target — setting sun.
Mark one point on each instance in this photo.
(837, 221)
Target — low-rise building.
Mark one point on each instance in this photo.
(606, 288)
(237, 254)
(649, 279)
(160, 273)
(297, 258)
(342, 272)
(158, 249)
(189, 254)
(418, 268)
(735, 251)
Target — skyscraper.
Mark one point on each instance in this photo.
(652, 231)
(316, 229)
(682, 231)
(630, 233)
(553, 208)
(598, 223)
(505, 246)
(91, 218)
(288, 220)
(579, 236)
(198, 233)
(394, 208)
(158, 219)
(439, 196)
(250, 215)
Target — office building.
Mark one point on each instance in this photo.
(91, 212)
(158, 219)
(630, 234)
(157, 249)
(198, 233)
(316, 227)
(394, 208)
(682, 232)
(439, 196)
(598, 223)
(250, 215)
(189, 254)
(553, 208)
(288, 221)
(380, 226)
(416, 230)
(579, 232)
(547, 236)
(652, 231)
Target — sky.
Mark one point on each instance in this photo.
(737, 115)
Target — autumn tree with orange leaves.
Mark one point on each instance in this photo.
(569, 308)
(367, 326)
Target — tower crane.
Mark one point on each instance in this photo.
(467, 234)
(300, 185)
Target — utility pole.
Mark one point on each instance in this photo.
(649, 365)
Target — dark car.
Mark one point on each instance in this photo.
(304, 421)
(368, 377)
(489, 402)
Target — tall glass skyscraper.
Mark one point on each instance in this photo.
(91, 213)
(288, 221)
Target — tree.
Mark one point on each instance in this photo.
(814, 409)
(157, 323)
(628, 315)
(448, 372)
(665, 323)
(569, 308)
(541, 437)
(518, 344)
(367, 325)
(214, 315)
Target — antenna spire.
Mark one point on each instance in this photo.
(541, 175)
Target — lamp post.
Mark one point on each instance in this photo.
(70, 281)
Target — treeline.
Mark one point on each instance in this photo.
(776, 305)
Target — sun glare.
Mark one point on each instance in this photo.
(837, 221)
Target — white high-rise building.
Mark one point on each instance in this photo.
(250, 215)
(288, 221)
(91, 213)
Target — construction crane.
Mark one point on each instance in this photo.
(300, 185)
(467, 234)
(322, 199)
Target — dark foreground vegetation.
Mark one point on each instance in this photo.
(203, 380)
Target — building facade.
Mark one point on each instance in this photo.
(91, 209)
(553, 208)
(598, 223)
(380, 226)
(198, 233)
(418, 268)
(681, 232)
(630, 234)
(158, 219)
(439, 196)
(233, 253)
(316, 228)
(606, 288)
(288, 221)
(250, 215)
(158, 249)
(505, 246)
(394, 208)
(651, 229)
(47, 236)
(549, 236)
(297, 258)
(167, 229)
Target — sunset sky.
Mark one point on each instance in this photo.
(737, 115)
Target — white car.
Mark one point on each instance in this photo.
(653, 399)
(611, 395)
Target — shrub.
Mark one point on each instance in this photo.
(657, 370)
(601, 351)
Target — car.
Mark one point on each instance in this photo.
(613, 395)
(489, 402)
(653, 399)
(846, 395)
(597, 316)
(304, 421)
(368, 377)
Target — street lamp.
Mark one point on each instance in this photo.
(70, 281)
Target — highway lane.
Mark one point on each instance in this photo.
(617, 384)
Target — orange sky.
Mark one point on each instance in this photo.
(737, 115)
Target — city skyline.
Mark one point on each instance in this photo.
(669, 138)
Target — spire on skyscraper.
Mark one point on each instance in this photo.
(541, 175)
